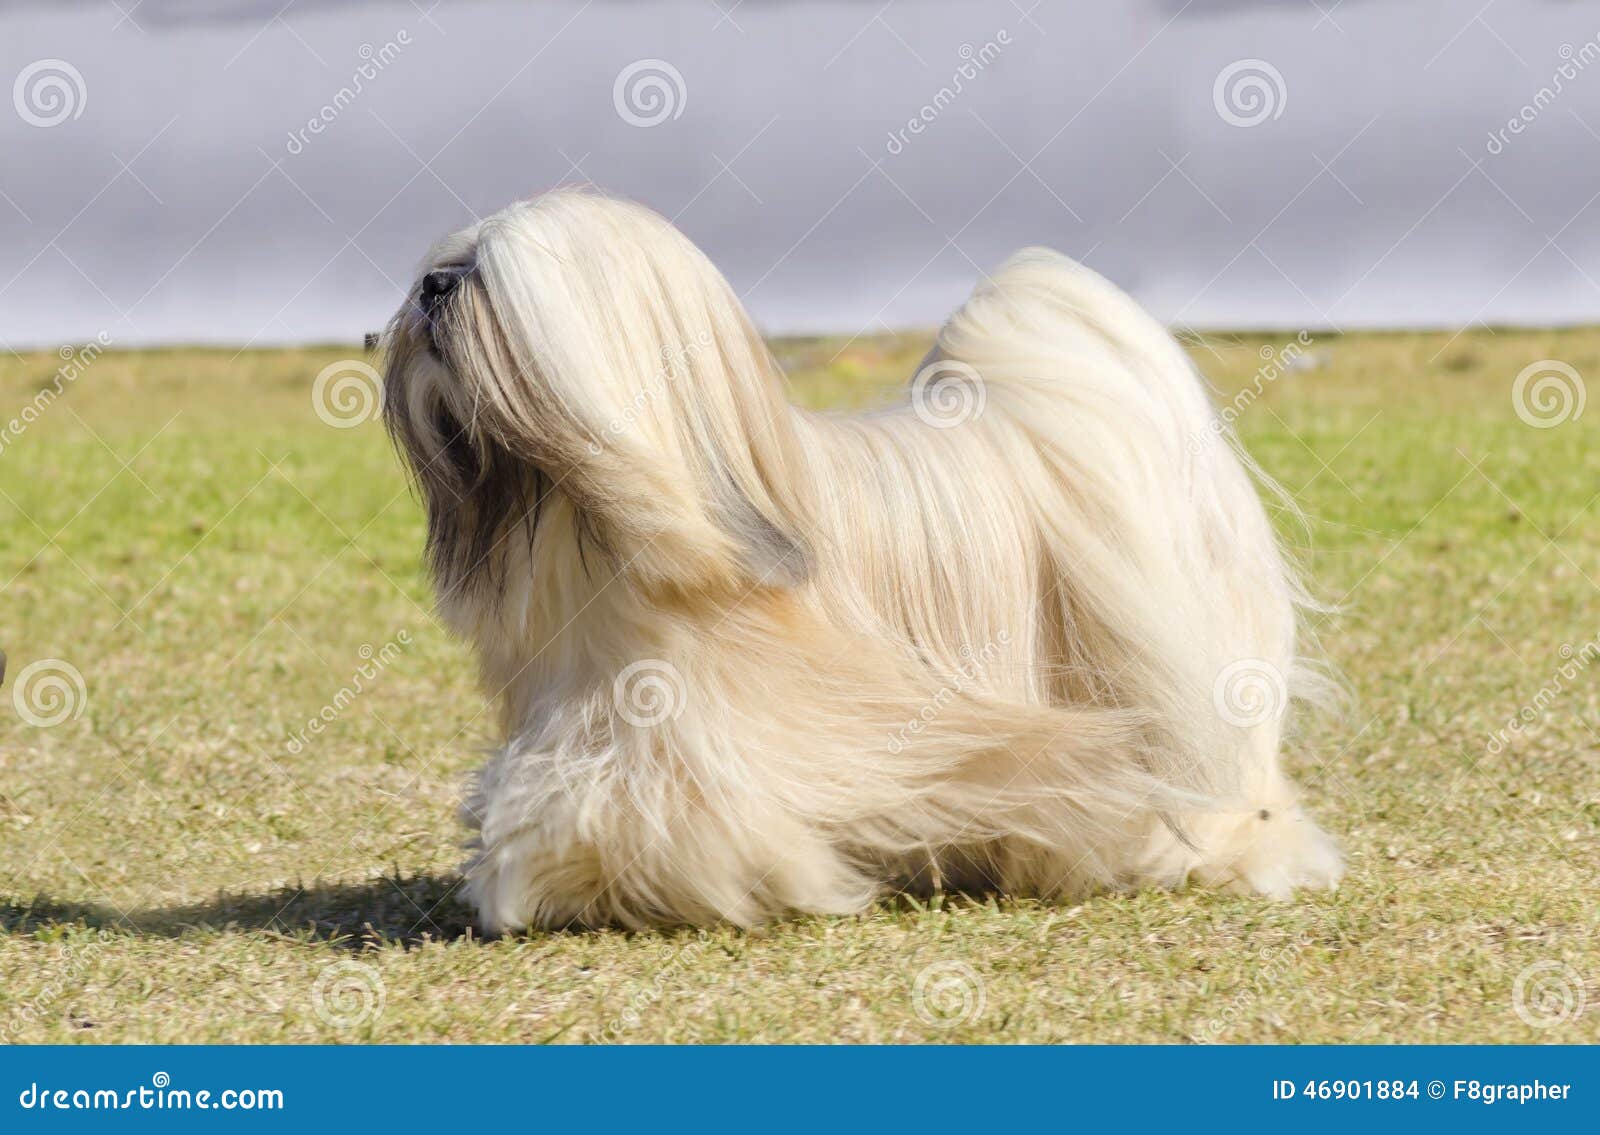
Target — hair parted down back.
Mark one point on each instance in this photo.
(752, 659)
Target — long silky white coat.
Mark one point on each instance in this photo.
(1029, 630)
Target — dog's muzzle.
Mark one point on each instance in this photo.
(437, 288)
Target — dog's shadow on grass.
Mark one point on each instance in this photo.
(393, 910)
(387, 911)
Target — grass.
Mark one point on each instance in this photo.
(216, 563)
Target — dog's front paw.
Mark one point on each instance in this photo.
(1275, 854)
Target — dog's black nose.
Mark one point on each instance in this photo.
(437, 286)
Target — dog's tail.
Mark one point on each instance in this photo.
(1172, 579)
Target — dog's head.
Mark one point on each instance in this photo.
(581, 348)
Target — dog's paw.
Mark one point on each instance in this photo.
(1277, 854)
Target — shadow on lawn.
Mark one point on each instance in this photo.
(392, 910)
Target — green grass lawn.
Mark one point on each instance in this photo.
(183, 860)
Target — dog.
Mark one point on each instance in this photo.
(1030, 630)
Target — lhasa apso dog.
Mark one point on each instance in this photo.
(1029, 630)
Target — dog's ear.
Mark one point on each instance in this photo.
(596, 342)
(769, 547)
(727, 504)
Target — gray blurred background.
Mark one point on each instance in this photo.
(1280, 163)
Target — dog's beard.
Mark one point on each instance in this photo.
(495, 499)
(477, 495)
